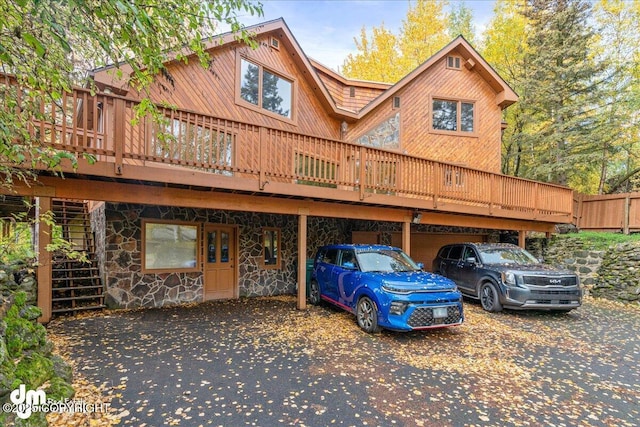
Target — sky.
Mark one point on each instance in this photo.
(325, 29)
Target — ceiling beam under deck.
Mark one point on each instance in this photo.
(86, 189)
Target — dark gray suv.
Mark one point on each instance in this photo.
(505, 275)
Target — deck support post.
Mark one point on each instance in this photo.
(522, 238)
(406, 237)
(302, 259)
(44, 274)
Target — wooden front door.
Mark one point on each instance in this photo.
(220, 280)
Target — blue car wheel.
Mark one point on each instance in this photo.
(367, 315)
(314, 293)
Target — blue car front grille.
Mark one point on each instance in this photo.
(423, 317)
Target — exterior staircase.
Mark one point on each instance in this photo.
(76, 285)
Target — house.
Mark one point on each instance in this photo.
(266, 155)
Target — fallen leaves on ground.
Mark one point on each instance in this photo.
(260, 361)
(85, 391)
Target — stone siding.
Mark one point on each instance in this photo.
(119, 225)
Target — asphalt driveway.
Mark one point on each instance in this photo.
(261, 362)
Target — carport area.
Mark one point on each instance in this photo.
(260, 361)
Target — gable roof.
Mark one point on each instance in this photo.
(505, 96)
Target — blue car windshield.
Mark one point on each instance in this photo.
(507, 256)
(385, 261)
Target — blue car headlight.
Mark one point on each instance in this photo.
(394, 290)
(398, 307)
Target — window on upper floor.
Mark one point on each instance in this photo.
(453, 116)
(265, 89)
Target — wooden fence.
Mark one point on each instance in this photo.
(615, 212)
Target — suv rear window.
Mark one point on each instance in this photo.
(455, 252)
(444, 252)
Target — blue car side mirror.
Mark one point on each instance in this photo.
(421, 265)
(349, 265)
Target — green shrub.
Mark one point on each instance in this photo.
(600, 241)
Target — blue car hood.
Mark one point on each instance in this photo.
(414, 281)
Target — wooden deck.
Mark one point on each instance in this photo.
(207, 151)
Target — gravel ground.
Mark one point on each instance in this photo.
(261, 362)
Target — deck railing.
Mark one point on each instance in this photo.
(106, 126)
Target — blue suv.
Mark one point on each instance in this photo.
(384, 288)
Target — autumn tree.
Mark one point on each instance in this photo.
(423, 32)
(50, 45)
(387, 57)
(377, 58)
(504, 47)
(619, 130)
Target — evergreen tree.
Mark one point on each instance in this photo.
(460, 22)
(560, 90)
(271, 99)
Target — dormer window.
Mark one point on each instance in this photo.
(453, 62)
(265, 89)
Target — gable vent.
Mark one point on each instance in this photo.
(453, 62)
(396, 102)
(274, 43)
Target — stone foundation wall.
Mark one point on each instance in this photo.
(613, 273)
(127, 286)
(574, 256)
(619, 274)
(18, 277)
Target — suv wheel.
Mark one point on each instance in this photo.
(314, 293)
(489, 298)
(367, 315)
